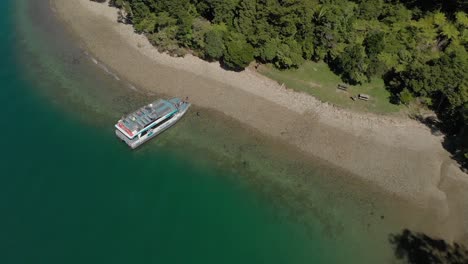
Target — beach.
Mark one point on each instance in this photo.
(399, 155)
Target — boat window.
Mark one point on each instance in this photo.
(162, 122)
(155, 126)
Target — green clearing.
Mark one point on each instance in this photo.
(317, 79)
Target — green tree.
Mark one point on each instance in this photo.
(406, 97)
(245, 20)
(164, 20)
(269, 50)
(374, 44)
(147, 24)
(370, 9)
(289, 55)
(238, 53)
(200, 27)
(352, 64)
(221, 11)
(214, 42)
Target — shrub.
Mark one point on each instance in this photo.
(406, 97)
(238, 53)
(214, 44)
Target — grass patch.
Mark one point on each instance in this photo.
(317, 79)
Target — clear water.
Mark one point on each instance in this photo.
(207, 191)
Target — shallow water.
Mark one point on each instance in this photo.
(207, 191)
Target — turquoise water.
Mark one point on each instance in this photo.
(71, 193)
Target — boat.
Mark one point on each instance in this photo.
(150, 120)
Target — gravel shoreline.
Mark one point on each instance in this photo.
(399, 155)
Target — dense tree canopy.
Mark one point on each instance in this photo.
(418, 46)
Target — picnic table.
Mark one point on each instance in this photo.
(364, 97)
(343, 87)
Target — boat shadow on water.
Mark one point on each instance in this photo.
(418, 248)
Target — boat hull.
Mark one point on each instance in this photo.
(138, 141)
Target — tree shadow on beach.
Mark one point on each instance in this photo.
(432, 123)
(454, 143)
(418, 248)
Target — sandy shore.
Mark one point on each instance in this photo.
(399, 155)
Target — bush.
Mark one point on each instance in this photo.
(289, 55)
(199, 29)
(352, 64)
(147, 24)
(214, 44)
(238, 53)
(165, 41)
(269, 50)
(406, 97)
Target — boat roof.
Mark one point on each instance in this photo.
(136, 122)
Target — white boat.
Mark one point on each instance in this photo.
(150, 121)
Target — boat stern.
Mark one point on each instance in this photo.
(131, 143)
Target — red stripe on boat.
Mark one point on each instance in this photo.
(122, 126)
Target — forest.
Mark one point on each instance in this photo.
(418, 47)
